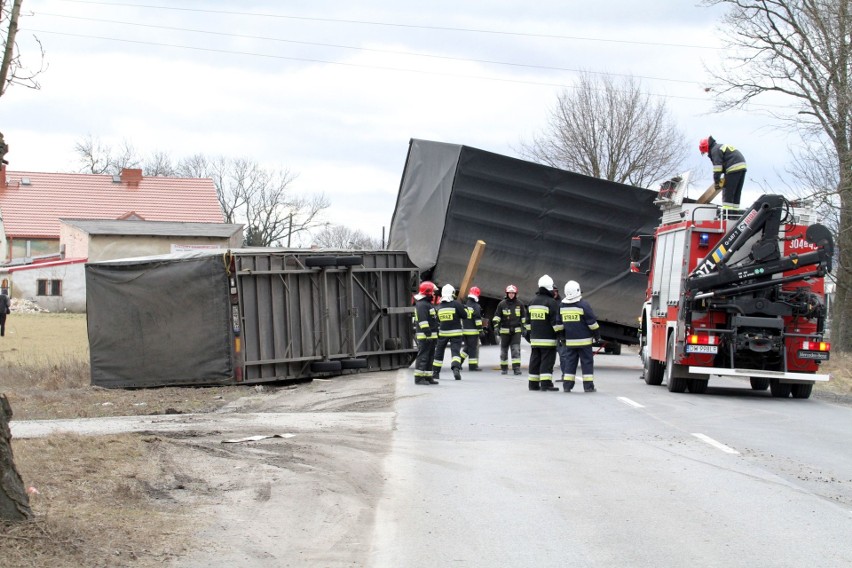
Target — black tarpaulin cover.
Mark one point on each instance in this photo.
(159, 321)
(534, 219)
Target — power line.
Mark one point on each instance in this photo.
(372, 50)
(356, 65)
(394, 25)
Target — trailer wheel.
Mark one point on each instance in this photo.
(674, 384)
(353, 363)
(349, 261)
(779, 390)
(325, 366)
(759, 383)
(318, 261)
(616, 349)
(802, 390)
(653, 374)
(696, 386)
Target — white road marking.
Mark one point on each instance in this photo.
(715, 444)
(632, 403)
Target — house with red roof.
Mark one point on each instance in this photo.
(51, 224)
(32, 203)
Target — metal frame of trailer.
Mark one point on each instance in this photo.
(248, 316)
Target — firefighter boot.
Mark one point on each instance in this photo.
(430, 381)
(421, 381)
(436, 374)
(534, 385)
(474, 367)
(548, 386)
(504, 370)
(589, 386)
(516, 370)
(567, 385)
(457, 373)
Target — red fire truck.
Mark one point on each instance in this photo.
(734, 294)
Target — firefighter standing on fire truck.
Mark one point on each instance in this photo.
(729, 170)
(544, 329)
(509, 325)
(580, 330)
(471, 327)
(426, 326)
(451, 313)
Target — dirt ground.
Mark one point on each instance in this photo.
(303, 498)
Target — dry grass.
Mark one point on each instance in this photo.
(102, 501)
(840, 368)
(44, 372)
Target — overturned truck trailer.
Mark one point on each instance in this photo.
(247, 316)
(534, 220)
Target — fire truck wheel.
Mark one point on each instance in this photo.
(653, 374)
(759, 383)
(779, 390)
(697, 386)
(802, 390)
(674, 383)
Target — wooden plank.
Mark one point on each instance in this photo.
(710, 194)
(472, 266)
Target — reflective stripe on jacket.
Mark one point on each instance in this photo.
(543, 321)
(510, 316)
(579, 323)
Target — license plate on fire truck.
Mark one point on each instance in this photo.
(712, 349)
(815, 355)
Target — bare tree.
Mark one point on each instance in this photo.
(12, 69)
(342, 237)
(801, 50)
(260, 198)
(14, 504)
(97, 157)
(610, 129)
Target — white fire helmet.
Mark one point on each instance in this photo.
(572, 291)
(546, 282)
(447, 292)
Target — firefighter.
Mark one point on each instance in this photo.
(426, 326)
(580, 330)
(729, 170)
(471, 327)
(509, 325)
(543, 329)
(451, 313)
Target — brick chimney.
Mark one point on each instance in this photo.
(2, 176)
(131, 176)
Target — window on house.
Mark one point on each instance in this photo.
(49, 288)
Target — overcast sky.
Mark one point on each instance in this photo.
(334, 91)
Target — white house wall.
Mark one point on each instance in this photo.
(113, 247)
(73, 277)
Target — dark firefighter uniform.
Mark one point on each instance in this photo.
(545, 329)
(509, 325)
(426, 329)
(728, 161)
(471, 327)
(451, 313)
(580, 329)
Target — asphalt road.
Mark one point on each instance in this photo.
(484, 473)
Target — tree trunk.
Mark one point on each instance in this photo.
(14, 504)
(841, 316)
